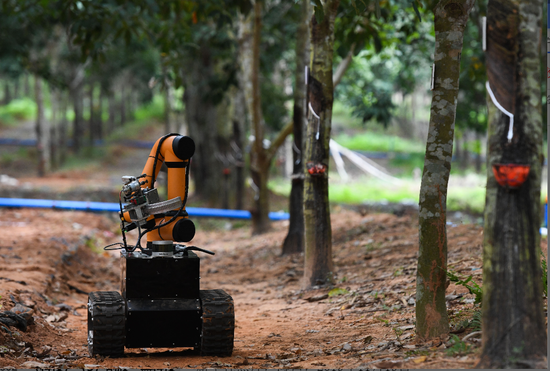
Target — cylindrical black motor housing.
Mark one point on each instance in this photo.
(183, 231)
(184, 147)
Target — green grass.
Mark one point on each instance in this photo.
(16, 111)
(152, 110)
(379, 142)
(469, 196)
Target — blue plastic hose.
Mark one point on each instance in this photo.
(114, 207)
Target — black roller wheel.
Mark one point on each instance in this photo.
(106, 324)
(218, 323)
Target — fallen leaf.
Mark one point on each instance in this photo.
(388, 364)
(34, 364)
(406, 327)
(367, 339)
(419, 359)
(317, 298)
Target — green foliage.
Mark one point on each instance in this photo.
(470, 199)
(473, 288)
(459, 347)
(152, 110)
(17, 110)
(337, 291)
(367, 88)
(475, 323)
(471, 110)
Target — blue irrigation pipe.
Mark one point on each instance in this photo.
(114, 207)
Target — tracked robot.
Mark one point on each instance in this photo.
(160, 303)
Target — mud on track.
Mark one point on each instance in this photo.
(50, 259)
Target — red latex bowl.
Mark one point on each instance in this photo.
(510, 175)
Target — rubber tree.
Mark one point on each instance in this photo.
(294, 241)
(513, 321)
(318, 267)
(42, 130)
(201, 117)
(450, 17)
(261, 156)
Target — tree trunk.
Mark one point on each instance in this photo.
(78, 123)
(16, 88)
(318, 267)
(91, 122)
(294, 241)
(76, 87)
(200, 115)
(514, 331)
(54, 153)
(122, 106)
(111, 101)
(7, 93)
(239, 165)
(42, 130)
(259, 165)
(54, 164)
(431, 312)
(63, 129)
(167, 104)
(99, 115)
(26, 85)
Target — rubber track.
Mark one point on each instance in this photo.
(108, 323)
(218, 323)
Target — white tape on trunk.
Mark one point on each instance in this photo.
(497, 104)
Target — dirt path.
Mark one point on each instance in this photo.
(50, 259)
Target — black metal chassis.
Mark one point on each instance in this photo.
(161, 305)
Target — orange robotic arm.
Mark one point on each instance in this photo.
(175, 152)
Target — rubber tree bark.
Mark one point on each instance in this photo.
(42, 130)
(201, 117)
(75, 87)
(166, 98)
(260, 156)
(258, 159)
(294, 241)
(318, 267)
(99, 116)
(91, 122)
(63, 128)
(431, 313)
(514, 330)
(111, 103)
(7, 93)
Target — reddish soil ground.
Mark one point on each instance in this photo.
(50, 259)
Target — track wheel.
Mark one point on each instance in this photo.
(218, 323)
(106, 323)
